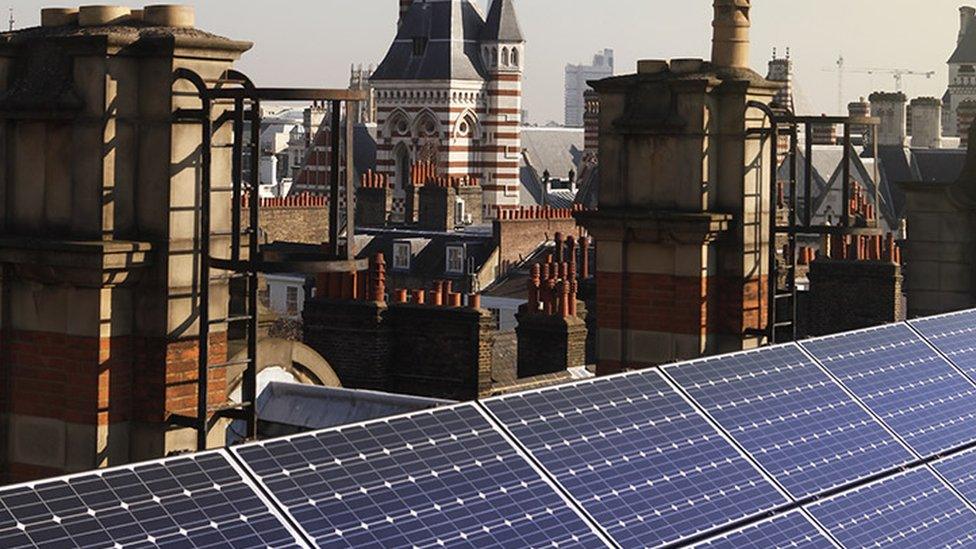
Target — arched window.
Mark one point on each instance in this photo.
(505, 57)
(515, 57)
(494, 56)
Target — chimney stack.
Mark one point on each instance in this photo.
(967, 15)
(926, 119)
(730, 38)
(891, 108)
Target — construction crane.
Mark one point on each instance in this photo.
(899, 75)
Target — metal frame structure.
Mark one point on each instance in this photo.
(242, 105)
(800, 223)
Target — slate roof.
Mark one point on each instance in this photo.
(966, 49)
(429, 248)
(451, 28)
(502, 24)
(556, 150)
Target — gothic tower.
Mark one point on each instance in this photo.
(503, 50)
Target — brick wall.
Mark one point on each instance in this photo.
(549, 344)
(424, 350)
(520, 232)
(850, 295)
(303, 219)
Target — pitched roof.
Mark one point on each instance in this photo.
(451, 29)
(502, 24)
(966, 50)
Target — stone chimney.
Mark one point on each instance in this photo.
(926, 123)
(104, 183)
(967, 15)
(891, 109)
(730, 39)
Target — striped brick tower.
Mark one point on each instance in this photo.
(504, 49)
(434, 95)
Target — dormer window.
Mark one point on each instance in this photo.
(402, 253)
(455, 260)
(419, 46)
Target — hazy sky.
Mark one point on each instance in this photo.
(313, 42)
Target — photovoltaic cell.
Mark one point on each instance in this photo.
(907, 384)
(197, 501)
(638, 457)
(441, 478)
(954, 335)
(960, 471)
(914, 509)
(792, 418)
(790, 531)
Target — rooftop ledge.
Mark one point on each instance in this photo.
(113, 255)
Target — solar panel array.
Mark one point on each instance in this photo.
(864, 439)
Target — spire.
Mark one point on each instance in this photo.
(502, 24)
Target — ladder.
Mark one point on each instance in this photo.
(239, 271)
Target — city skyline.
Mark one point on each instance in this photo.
(317, 41)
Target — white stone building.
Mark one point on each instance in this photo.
(576, 84)
(962, 72)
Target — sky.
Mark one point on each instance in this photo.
(314, 42)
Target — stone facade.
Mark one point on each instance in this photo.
(98, 245)
(300, 219)
(682, 237)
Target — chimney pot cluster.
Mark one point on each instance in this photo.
(535, 213)
(374, 180)
(163, 15)
(554, 285)
(862, 248)
(425, 174)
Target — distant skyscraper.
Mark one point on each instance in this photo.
(576, 78)
(781, 70)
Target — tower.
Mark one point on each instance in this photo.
(781, 70)
(962, 72)
(503, 50)
(448, 97)
(682, 225)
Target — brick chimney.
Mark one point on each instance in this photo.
(730, 39)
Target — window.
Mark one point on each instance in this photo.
(401, 256)
(459, 211)
(505, 56)
(291, 300)
(515, 57)
(455, 260)
(419, 46)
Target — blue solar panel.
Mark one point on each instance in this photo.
(954, 335)
(790, 531)
(638, 457)
(960, 471)
(900, 378)
(445, 477)
(792, 418)
(198, 501)
(914, 509)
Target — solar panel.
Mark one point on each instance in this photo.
(792, 418)
(638, 457)
(907, 384)
(913, 509)
(792, 530)
(446, 477)
(195, 501)
(953, 334)
(960, 472)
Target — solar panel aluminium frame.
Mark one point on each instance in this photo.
(244, 476)
(801, 511)
(789, 502)
(556, 488)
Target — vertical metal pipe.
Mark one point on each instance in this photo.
(846, 174)
(773, 272)
(249, 385)
(350, 185)
(334, 221)
(808, 177)
(203, 342)
(237, 175)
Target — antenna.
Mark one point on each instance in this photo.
(11, 19)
